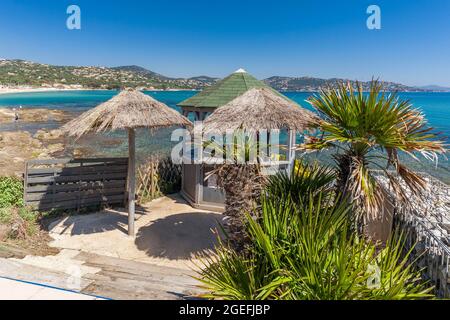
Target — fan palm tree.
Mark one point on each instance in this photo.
(240, 177)
(366, 128)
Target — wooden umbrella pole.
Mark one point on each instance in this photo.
(131, 180)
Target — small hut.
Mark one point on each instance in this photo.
(219, 94)
(129, 110)
(239, 101)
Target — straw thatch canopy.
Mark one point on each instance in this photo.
(130, 109)
(259, 109)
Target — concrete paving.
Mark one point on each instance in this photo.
(169, 232)
(62, 262)
(19, 290)
(99, 276)
(98, 258)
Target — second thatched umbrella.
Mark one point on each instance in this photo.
(256, 110)
(129, 110)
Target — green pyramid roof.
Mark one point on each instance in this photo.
(224, 91)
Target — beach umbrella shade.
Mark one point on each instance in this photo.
(259, 109)
(129, 110)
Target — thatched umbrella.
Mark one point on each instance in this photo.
(256, 110)
(129, 110)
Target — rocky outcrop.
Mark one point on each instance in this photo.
(19, 146)
(8, 115)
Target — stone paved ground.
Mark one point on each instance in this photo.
(97, 256)
(19, 290)
(169, 232)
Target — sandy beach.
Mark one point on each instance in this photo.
(29, 90)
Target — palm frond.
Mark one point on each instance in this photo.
(360, 124)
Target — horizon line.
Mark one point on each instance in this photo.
(442, 86)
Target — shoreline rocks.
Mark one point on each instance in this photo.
(32, 115)
(19, 146)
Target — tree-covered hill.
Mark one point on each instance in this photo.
(25, 73)
(314, 84)
(14, 73)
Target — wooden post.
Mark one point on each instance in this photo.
(131, 180)
(152, 179)
(291, 151)
(25, 184)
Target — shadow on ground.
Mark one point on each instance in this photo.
(106, 220)
(179, 236)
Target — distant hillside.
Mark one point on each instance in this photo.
(15, 73)
(140, 70)
(26, 73)
(314, 84)
(205, 79)
(436, 88)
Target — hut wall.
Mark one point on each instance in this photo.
(190, 181)
(210, 190)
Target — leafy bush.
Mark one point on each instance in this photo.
(306, 179)
(21, 222)
(11, 192)
(304, 249)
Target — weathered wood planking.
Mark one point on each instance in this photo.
(75, 183)
(78, 170)
(79, 187)
(72, 195)
(61, 178)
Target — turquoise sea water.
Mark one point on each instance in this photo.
(436, 107)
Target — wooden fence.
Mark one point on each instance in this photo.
(75, 183)
(156, 177)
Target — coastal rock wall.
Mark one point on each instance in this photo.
(18, 147)
(7, 115)
(425, 222)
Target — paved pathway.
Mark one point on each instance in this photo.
(98, 258)
(20, 290)
(96, 275)
(169, 233)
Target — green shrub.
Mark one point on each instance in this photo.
(30, 217)
(5, 215)
(305, 179)
(304, 249)
(21, 222)
(11, 192)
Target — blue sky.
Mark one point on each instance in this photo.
(187, 38)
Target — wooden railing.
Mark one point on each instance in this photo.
(75, 183)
